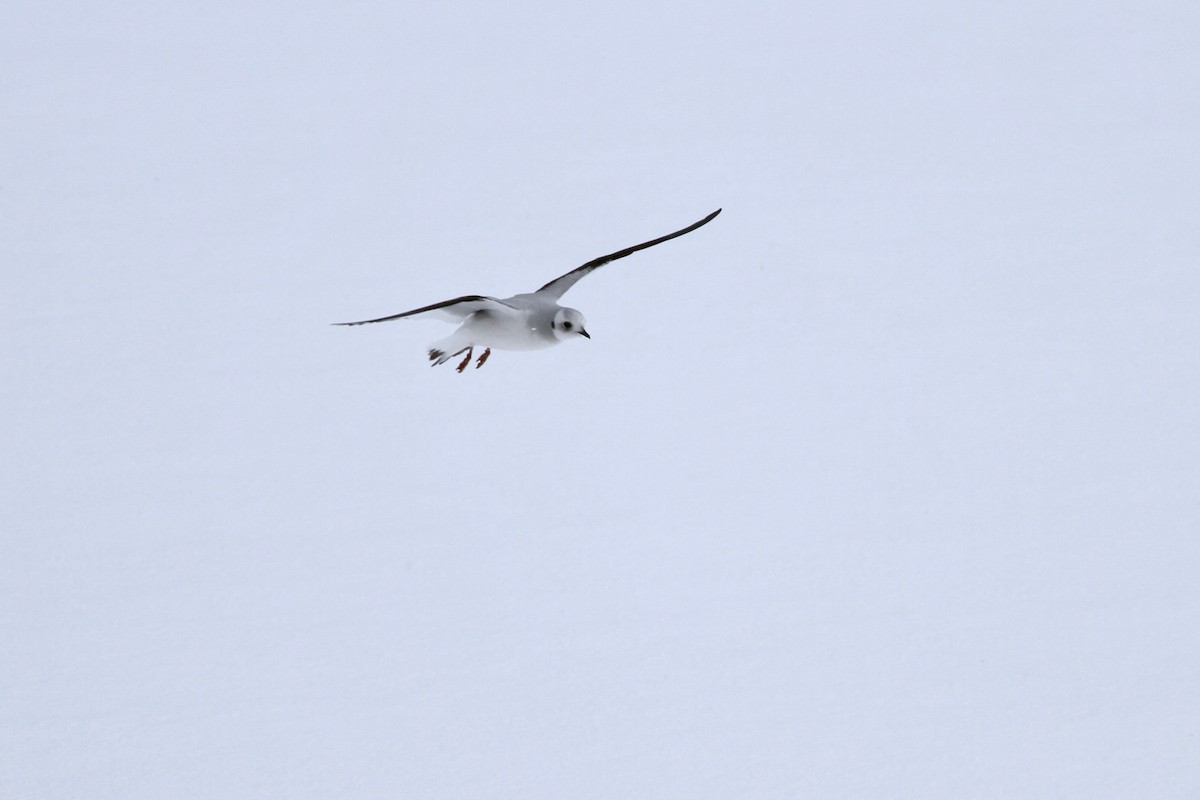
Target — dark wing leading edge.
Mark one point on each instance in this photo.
(557, 287)
(455, 310)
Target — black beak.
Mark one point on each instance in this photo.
(584, 333)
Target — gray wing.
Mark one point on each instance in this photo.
(557, 287)
(455, 310)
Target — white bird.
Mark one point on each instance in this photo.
(521, 322)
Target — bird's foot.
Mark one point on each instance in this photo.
(467, 360)
(483, 357)
(435, 357)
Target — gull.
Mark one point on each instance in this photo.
(522, 322)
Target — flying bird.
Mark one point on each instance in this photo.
(521, 322)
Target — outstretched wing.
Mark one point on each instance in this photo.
(557, 287)
(455, 310)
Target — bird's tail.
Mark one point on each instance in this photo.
(443, 350)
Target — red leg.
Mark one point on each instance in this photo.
(466, 360)
(484, 357)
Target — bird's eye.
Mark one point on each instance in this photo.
(566, 326)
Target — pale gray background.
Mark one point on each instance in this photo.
(884, 484)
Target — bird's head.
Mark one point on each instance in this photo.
(569, 323)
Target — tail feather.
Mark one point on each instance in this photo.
(443, 350)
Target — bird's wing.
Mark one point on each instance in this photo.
(455, 310)
(557, 287)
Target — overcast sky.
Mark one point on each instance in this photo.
(886, 483)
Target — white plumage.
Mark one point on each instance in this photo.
(521, 322)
